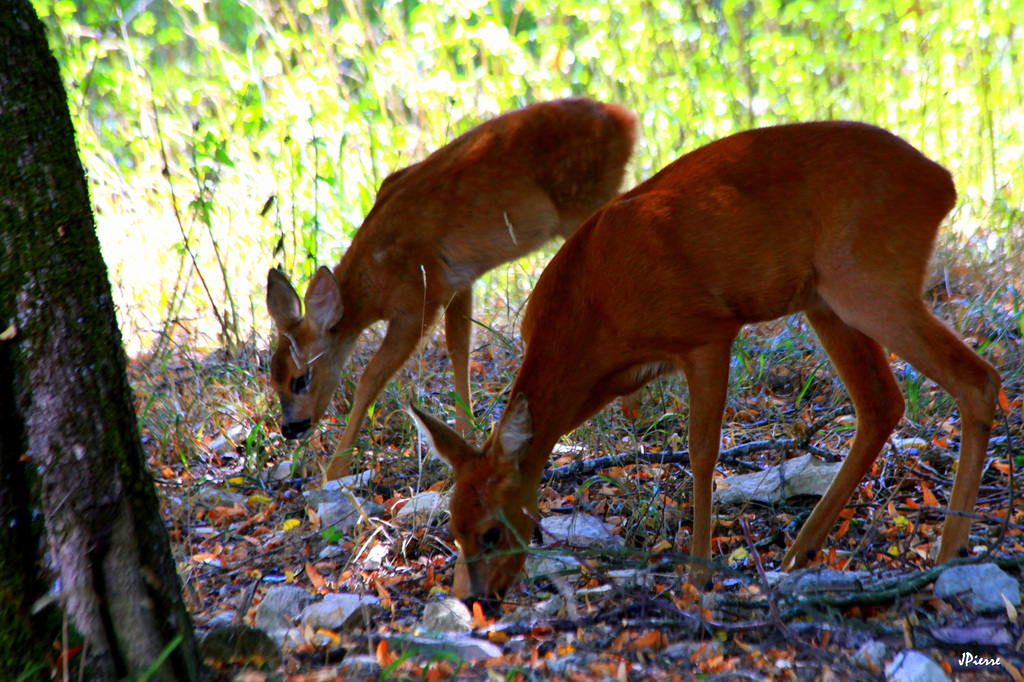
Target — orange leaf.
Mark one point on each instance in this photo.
(652, 639)
(221, 515)
(845, 526)
(1003, 402)
(329, 634)
(315, 578)
(206, 558)
(928, 496)
(1001, 467)
(382, 594)
(383, 658)
(696, 655)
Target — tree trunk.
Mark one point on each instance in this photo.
(69, 440)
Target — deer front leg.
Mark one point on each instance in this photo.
(399, 343)
(707, 379)
(458, 329)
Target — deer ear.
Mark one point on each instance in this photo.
(282, 301)
(515, 430)
(442, 439)
(323, 300)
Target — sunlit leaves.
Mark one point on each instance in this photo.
(322, 100)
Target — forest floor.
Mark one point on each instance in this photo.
(595, 626)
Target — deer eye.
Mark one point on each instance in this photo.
(491, 538)
(301, 383)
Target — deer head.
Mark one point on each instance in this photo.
(306, 366)
(494, 504)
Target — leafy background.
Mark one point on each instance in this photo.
(314, 102)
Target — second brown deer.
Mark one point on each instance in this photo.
(833, 219)
(497, 192)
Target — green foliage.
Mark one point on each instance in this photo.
(316, 101)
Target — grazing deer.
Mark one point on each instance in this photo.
(836, 220)
(492, 195)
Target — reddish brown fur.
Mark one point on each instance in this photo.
(833, 219)
(492, 195)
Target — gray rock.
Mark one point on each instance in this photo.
(871, 655)
(447, 615)
(332, 552)
(805, 475)
(360, 480)
(218, 497)
(241, 645)
(578, 530)
(421, 508)
(460, 646)
(978, 632)
(222, 619)
(548, 608)
(631, 577)
(274, 615)
(373, 509)
(983, 585)
(228, 440)
(284, 471)
(342, 612)
(359, 666)
(341, 514)
(913, 666)
(541, 565)
(340, 489)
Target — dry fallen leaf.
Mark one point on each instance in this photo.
(928, 496)
(316, 580)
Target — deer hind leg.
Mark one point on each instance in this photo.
(399, 343)
(905, 326)
(458, 330)
(864, 369)
(707, 379)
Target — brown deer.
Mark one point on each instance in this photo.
(492, 195)
(835, 219)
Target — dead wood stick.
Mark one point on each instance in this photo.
(732, 456)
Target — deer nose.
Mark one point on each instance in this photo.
(294, 429)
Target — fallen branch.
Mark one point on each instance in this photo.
(838, 589)
(733, 456)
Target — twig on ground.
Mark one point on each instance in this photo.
(731, 456)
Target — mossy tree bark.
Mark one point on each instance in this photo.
(69, 440)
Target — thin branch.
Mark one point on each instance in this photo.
(733, 456)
